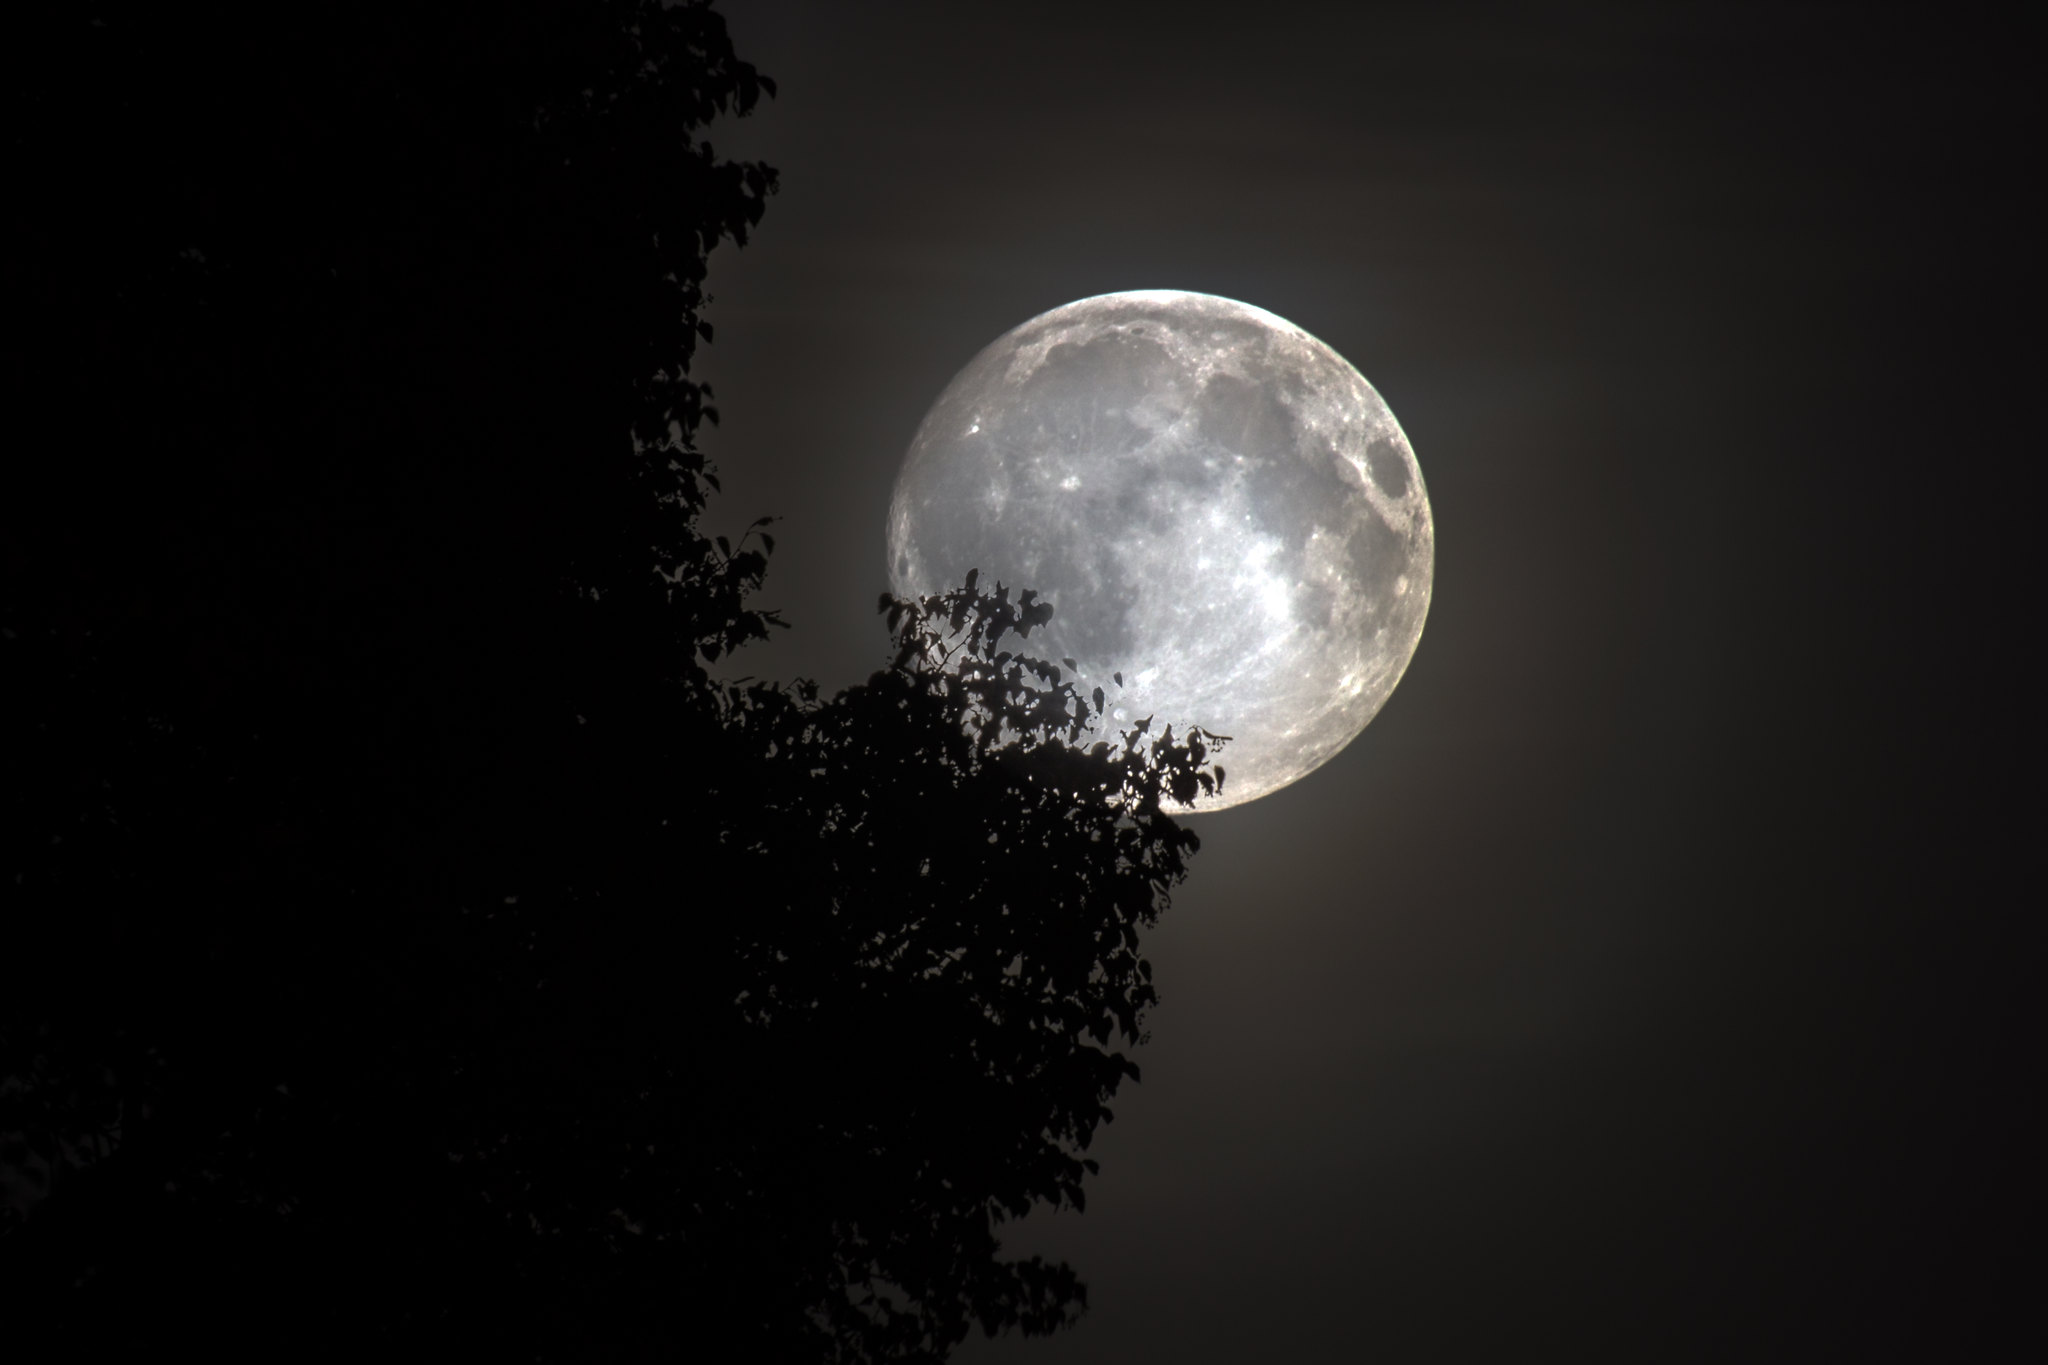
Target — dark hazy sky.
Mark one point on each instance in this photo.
(1619, 994)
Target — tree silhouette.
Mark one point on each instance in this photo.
(414, 950)
(948, 891)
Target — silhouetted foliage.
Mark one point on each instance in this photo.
(412, 951)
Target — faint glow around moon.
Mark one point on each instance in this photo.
(1219, 507)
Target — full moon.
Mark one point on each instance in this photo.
(1218, 506)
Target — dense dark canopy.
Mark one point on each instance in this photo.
(412, 951)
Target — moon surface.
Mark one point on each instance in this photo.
(1218, 506)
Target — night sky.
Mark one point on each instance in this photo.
(1627, 990)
